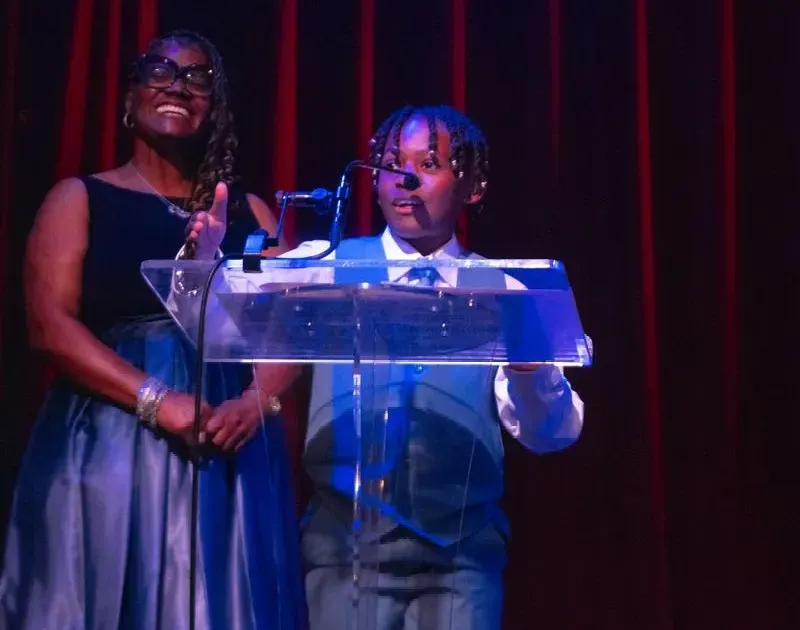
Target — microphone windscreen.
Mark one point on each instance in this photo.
(411, 181)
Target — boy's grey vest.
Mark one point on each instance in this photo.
(442, 463)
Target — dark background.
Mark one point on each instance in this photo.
(651, 145)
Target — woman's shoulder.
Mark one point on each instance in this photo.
(68, 192)
(117, 177)
(116, 186)
(257, 206)
(248, 206)
(82, 185)
(105, 192)
(111, 176)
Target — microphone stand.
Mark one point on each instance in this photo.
(251, 257)
(342, 196)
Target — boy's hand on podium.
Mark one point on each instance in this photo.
(532, 367)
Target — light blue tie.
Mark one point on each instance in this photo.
(425, 276)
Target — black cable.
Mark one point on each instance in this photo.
(342, 198)
(198, 409)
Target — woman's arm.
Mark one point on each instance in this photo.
(53, 270)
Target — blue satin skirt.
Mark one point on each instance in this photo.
(98, 536)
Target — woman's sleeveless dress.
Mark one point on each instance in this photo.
(98, 536)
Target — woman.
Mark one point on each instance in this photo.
(99, 531)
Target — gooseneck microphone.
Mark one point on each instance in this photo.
(323, 201)
(342, 196)
(320, 199)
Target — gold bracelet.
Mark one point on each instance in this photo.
(272, 404)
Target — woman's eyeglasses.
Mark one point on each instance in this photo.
(161, 73)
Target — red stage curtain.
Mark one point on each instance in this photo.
(650, 145)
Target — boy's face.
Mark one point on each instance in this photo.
(427, 215)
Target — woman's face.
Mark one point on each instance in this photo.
(173, 94)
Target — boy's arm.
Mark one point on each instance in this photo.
(538, 407)
(536, 403)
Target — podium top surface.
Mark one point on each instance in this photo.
(303, 263)
(479, 312)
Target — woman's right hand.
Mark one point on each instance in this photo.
(176, 415)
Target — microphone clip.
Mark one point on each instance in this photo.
(254, 247)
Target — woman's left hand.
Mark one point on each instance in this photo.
(234, 422)
(207, 229)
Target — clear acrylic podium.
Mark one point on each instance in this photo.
(381, 347)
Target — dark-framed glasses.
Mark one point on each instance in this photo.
(161, 73)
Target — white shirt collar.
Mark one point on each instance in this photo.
(396, 248)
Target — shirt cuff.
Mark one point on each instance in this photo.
(547, 381)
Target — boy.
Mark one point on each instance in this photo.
(430, 571)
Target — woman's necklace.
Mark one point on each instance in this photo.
(171, 207)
